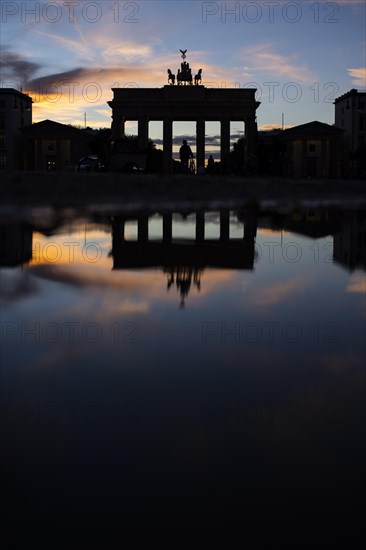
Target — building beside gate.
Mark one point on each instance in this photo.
(15, 114)
(350, 115)
(312, 150)
(54, 147)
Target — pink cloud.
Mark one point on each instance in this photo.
(359, 76)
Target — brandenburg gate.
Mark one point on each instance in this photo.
(186, 101)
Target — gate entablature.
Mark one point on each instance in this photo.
(179, 101)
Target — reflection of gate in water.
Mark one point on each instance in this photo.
(184, 259)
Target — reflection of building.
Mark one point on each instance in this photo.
(313, 150)
(350, 242)
(15, 113)
(196, 103)
(15, 244)
(350, 114)
(184, 260)
(53, 146)
(314, 223)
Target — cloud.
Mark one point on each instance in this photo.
(17, 286)
(73, 45)
(268, 127)
(79, 76)
(280, 292)
(101, 60)
(265, 60)
(126, 51)
(359, 76)
(15, 67)
(357, 283)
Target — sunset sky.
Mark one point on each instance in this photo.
(69, 54)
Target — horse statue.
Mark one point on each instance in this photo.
(171, 77)
(198, 77)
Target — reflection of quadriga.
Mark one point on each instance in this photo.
(127, 156)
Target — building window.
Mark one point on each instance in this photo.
(51, 146)
(2, 120)
(2, 141)
(2, 103)
(2, 162)
(312, 147)
(361, 123)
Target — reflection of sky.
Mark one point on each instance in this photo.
(188, 404)
(294, 287)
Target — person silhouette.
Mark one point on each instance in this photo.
(185, 153)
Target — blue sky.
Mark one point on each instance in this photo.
(68, 54)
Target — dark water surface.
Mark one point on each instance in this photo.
(184, 376)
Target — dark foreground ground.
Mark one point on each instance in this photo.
(150, 191)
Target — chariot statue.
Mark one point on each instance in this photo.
(184, 74)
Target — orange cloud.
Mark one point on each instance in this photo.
(359, 76)
(280, 292)
(268, 127)
(357, 283)
(67, 95)
(265, 60)
(83, 260)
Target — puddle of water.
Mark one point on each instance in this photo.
(209, 363)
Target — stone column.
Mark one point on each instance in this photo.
(143, 229)
(167, 227)
(225, 145)
(168, 145)
(118, 124)
(200, 226)
(224, 225)
(200, 131)
(251, 135)
(250, 233)
(250, 224)
(118, 232)
(143, 132)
